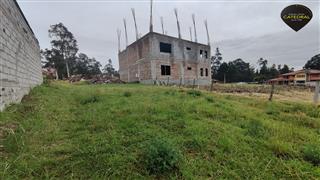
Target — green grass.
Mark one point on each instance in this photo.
(137, 131)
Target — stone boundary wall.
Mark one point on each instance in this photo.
(20, 62)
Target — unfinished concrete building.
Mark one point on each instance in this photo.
(158, 58)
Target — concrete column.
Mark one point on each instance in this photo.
(153, 70)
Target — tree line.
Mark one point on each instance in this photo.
(240, 71)
(65, 58)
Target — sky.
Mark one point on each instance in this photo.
(241, 29)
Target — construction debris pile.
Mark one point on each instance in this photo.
(95, 79)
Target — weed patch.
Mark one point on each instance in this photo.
(256, 129)
(210, 99)
(161, 157)
(194, 93)
(89, 100)
(281, 149)
(224, 144)
(311, 153)
(127, 94)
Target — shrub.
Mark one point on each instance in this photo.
(314, 112)
(281, 149)
(171, 92)
(127, 94)
(209, 99)
(46, 81)
(224, 144)
(311, 153)
(161, 157)
(195, 144)
(194, 93)
(255, 129)
(88, 100)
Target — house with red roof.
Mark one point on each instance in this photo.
(305, 77)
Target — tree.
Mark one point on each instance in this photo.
(235, 71)
(222, 72)
(54, 59)
(64, 43)
(108, 68)
(263, 66)
(87, 66)
(215, 62)
(313, 63)
(273, 72)
(284, 69)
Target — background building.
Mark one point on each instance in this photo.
(306, 77)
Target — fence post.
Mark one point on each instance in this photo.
(272, 91)
(316, 93)
(194, 83)
(180, 82)
(168, 81)
(211, 87)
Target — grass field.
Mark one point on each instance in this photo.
(138, 131)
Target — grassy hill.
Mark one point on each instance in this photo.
(138, 131)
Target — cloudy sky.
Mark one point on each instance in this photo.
(241, 29)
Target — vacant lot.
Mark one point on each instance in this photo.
(136, 131)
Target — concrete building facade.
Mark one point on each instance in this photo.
(20, 63)
(158, 58)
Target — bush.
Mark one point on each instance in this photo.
(195, 144)
(311, 153)
(256, 129)
(194, 93)
(224, 144)
(88, 100)
(127, 94)
(209, 99)
(281, 149)
(161, 157)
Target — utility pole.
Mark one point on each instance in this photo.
(135, 23)
(178, 24)
(125, 30)
(194, 26)
(151, 23)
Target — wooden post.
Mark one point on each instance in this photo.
(211, 87)
(271, 93)
(180, 82)
(316, 93)
(168, 81)
(194, 83)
